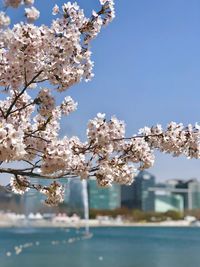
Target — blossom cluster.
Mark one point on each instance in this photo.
(54, 193)
(12, 145)
(32, 14)
(17, 3)
(4, 20)
(106, 136)
(115, 171)
(176, 139)
(19, 184)
(92, 27)
(109, 11)
(63, 156)
(137, 150)
(56, 53)
(68, 105)
(46, 102)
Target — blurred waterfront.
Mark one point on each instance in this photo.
(119, 247)
(145, 194)
(42, 236)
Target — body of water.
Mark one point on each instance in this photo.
(108, 247)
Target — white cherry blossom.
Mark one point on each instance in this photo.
(32, 14)
(54, 194)
(19, 185)
(55, 10)
(4, 20)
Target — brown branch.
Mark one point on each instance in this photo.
(27, 172)
(41, 81)
(21, 93)
(22, 108)
(38, 137)
(34, 149)
(3, 114)
(27, 161)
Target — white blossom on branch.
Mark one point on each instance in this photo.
(4, 20)
(19, 184)
(32, 14)
(54, 193)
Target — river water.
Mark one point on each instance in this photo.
(108, 247)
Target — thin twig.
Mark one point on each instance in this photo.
(21, 93)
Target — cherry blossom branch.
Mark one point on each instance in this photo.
(21, 93)
(2, 112)
(28, 173)
(22, 108)
(37, 137)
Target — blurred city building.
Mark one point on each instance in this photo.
(103, 198)
(168, 201)
(178, 194)
(73, 193)
(144, 194)
(167, 198)
(73, 199)
(194, 194)
(10, 201)
(138, 195)
(187, 196)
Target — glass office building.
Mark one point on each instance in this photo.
(194, 195)
(103, 198)
(168, 201)
(139, 194)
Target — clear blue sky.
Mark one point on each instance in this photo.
(147, 65)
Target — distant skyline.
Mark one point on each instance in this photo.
(147, 65)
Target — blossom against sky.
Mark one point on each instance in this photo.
(147, 65)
